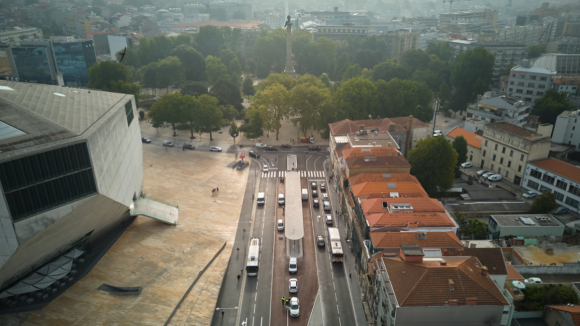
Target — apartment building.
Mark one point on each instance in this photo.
(473, 143)
(191, 12)
(506, 149)
(472, 17)
(426, 240)
(231, 7)
(558, 177)
(399, 41)
(342, 32)
(503, 108)
(565, 129)
(527, 35)
(568, 85)
(562, 64)
(337, 17)
(529, 83)
(16, 34)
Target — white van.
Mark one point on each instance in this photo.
(304, 194)
(261, 198)
(280, 199)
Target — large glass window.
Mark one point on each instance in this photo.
(73, 60)
(548, 179)
(533, 185)
(536, 174)
(32, 64)
(559, 196)
(129, 112)
(561, 184)
(574, 190)
(572, 202)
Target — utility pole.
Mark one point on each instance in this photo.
(435, 109)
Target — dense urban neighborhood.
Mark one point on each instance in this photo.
(376, 163)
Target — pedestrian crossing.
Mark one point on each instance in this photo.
(303, 174)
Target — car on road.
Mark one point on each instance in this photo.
(481, 172)
(253, 154)
(533, 280)
(495, 177)
(466, 165)
(320, 241)
(294, 307)
(285, 146)
(328, 219)
(324, 196)
(326, 205)
(280, 199)
(293, 265)
(215, 149)
(265, 168)
(437, 133)
(560, 210)
(313, 148)
(293, 285)
(188, 146)
(529, 194)
(313, 186)
(487, 175)
(270, 148)
(167, 143)
(146, 140)
(323, 186)
(261, 145)
(280, 225)
(314, 193)
(316, 202)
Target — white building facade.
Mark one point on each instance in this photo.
(565, 130)
(529, 83)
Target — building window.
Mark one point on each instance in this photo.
(129, 112)
(507, 173)
(572, 202)
(499, 171)
(493, 159)
(512, 153)
(511, 89)
(548, 179)
(519, 91)
(543, 78)
(528, 99)
(495, 147)
(520, 83)
(540, 93)
(529, 92)
(531, 85)
(542, 86)
(520, 168)
(574, 190)
(492, 168)
(571, 135)
(523, 76)
(511, 83)
(559, 196)
(484, 152)
(536, 174)
(522, 157)
(503, 150)
(561, 184)
(533, 77)
(486, 142)
(513, 75)
(501, 160)
(533, 185)
(509, 164)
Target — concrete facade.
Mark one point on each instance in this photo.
(342, 32)
(529, 83)
(563, 64)
(565, 129)
(503, 108)
(524, 225)
(398, 42)
(556, 179)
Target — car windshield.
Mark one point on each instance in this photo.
(294, 306)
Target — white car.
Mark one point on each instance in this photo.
(294, 307)
(293, 285)
(324, 196)
(529, 194)
(437, 133)
(293, 265)
(265, 168)
(481, 172)
(495, 177)
(487, 175)
(280, 225)
(261, 145)
(466, 165)
(167, 143)
(215, 149)
(328, 219)
(533, 280)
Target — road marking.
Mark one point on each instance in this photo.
(339, 322)
(261, 320)
(336, 298)
(256, 297)
(253, 319)
(338, 310)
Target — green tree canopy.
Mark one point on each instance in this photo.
(193, 64)
(227, 93)
(366, 58)
(193, 88)
(429, 77)
(211, 40)
(342, 64)
(248, 86)
(549, 107)
(444, 93)
(356, 99)
(102, 73)
(46, 31)
(306, 101)
(124, 88)
(472, 73)
(460, 146)
(169, 109)
(131, 58)
(442, 50)
(352, 72)
(544, 203)
(433, 163)
(535, 51)
(254, 128)
(235, 71)
(215, 69)
(415, 60)
(388, 70)
(273, 102)
(282, 79)
(226, 56)
(325, 80)
(169, 72)
(234, 132)
(399, 98)
(473, 226)
(209, 117)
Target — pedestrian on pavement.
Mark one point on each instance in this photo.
(223, 312)
(283, 208)
(166, 149)
(238, 278)
(287, 299)
(242, 269)
(283, 300)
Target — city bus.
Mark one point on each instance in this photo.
(336, 253)
(253, 262)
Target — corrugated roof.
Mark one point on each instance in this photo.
(403, 219)
(492, 258)
(375, 205)
(432, 240)
(558, 167)
(471, 138)
(347, 126)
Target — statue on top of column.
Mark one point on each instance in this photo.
(287, 23)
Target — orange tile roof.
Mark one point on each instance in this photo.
(232, 24)
(382, 157)
(558, 167)
(472, 139)
(404, 121)
(513, 274)
(573, 311)
(492, 258)
(562, 81)
(396, 239)
(348, 126)
(427, 283)
(382, 188)
(403, 219)
(380, 177)
(375, 205)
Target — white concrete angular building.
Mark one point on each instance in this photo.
(71, 165)
(529, 83)
(555, 176)
(565, 130)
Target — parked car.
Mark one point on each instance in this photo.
(316, 202)
(481, 172)
(328, 219)
(292, 285)
(215, 149)
(437, 133)
(293, 265)
(466, 165)
(487, 175)
(323, 186)
(529, 194)
(167, 143)
(320, 241)
(270, 148)
(254, 154)
(188, 146)
(265, 168)
(326, 204)
(294, 307)
(324, 196)
(560, 210)
(260, 145)
(495, 177)
(146, 140)
(285, 146)
(280, 225)
(533, 280)
(313, 186)
(313, 148)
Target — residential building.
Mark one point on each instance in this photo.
(145, 26)
(562, 64)
(492, 258)
(272, 20)
(231, 7)
(120, 20)
(473, 143)
(565, 45)
(14, 35)
(529, 83)
(474, 125)
(502, 108)
(400, 41)
(414, 289)
(395, 204)
(337, 17)
(372, 160)
(431, 242)
(342, 32)
(243, 25)
(528, 35)
(546, 11)
(416, 222)
(524, 225)
(472, 17)
(506, 149)
(562, 315)
(558, 177)
(568, 85)
(565, 129)
(71, 165)
(191, 12)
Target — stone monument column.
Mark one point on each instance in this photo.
(289, 67)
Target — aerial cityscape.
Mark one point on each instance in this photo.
(257, 163)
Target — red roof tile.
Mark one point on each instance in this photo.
(559, 167)
(381, 177)
(375, 205)
(492, 258)
(471, 138)
(562, 81)
(232, 24)
(573, 311)
(396, 239)
(382, 188)
(513, 274)
(403, 220)
(366, 157)
(347, 126)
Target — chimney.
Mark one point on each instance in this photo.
(483, 270)
(450, 282)
(409, 135)
(421, 235)
(392, 127)
(471, 301)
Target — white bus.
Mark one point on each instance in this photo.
(336, 253)
(253, 257)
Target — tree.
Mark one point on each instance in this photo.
(228, 112)
(535, 51)
(215, 69)
(169, 109)
(274, 103)
(254, 128)
(544, 203)
(305, 101)
(356, 99)
(472, 73)
(460, 146)
(561, 295)
(366, 58)
(399, 98)
(169, 72)
(145, 53)
(549, 107)
(388, 70)
(415, 60)
(46, 31)
(235, 71)
(442, 50)
(444, 93)
(248, 86)
(473, 226)
(193, 88)
(193, 65)
(433, 163)
(209, 118)
(352, 72)
(325, 80)
(341, 65)
(534, 298)
(226, 56)
(250, 66)
(457, 102)
(282, 79)
(429, 77)
(227, 94)
(102, 73)
(125, 88)
(130, 59)
(507, 71)
(234, 132)
(189, 106)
